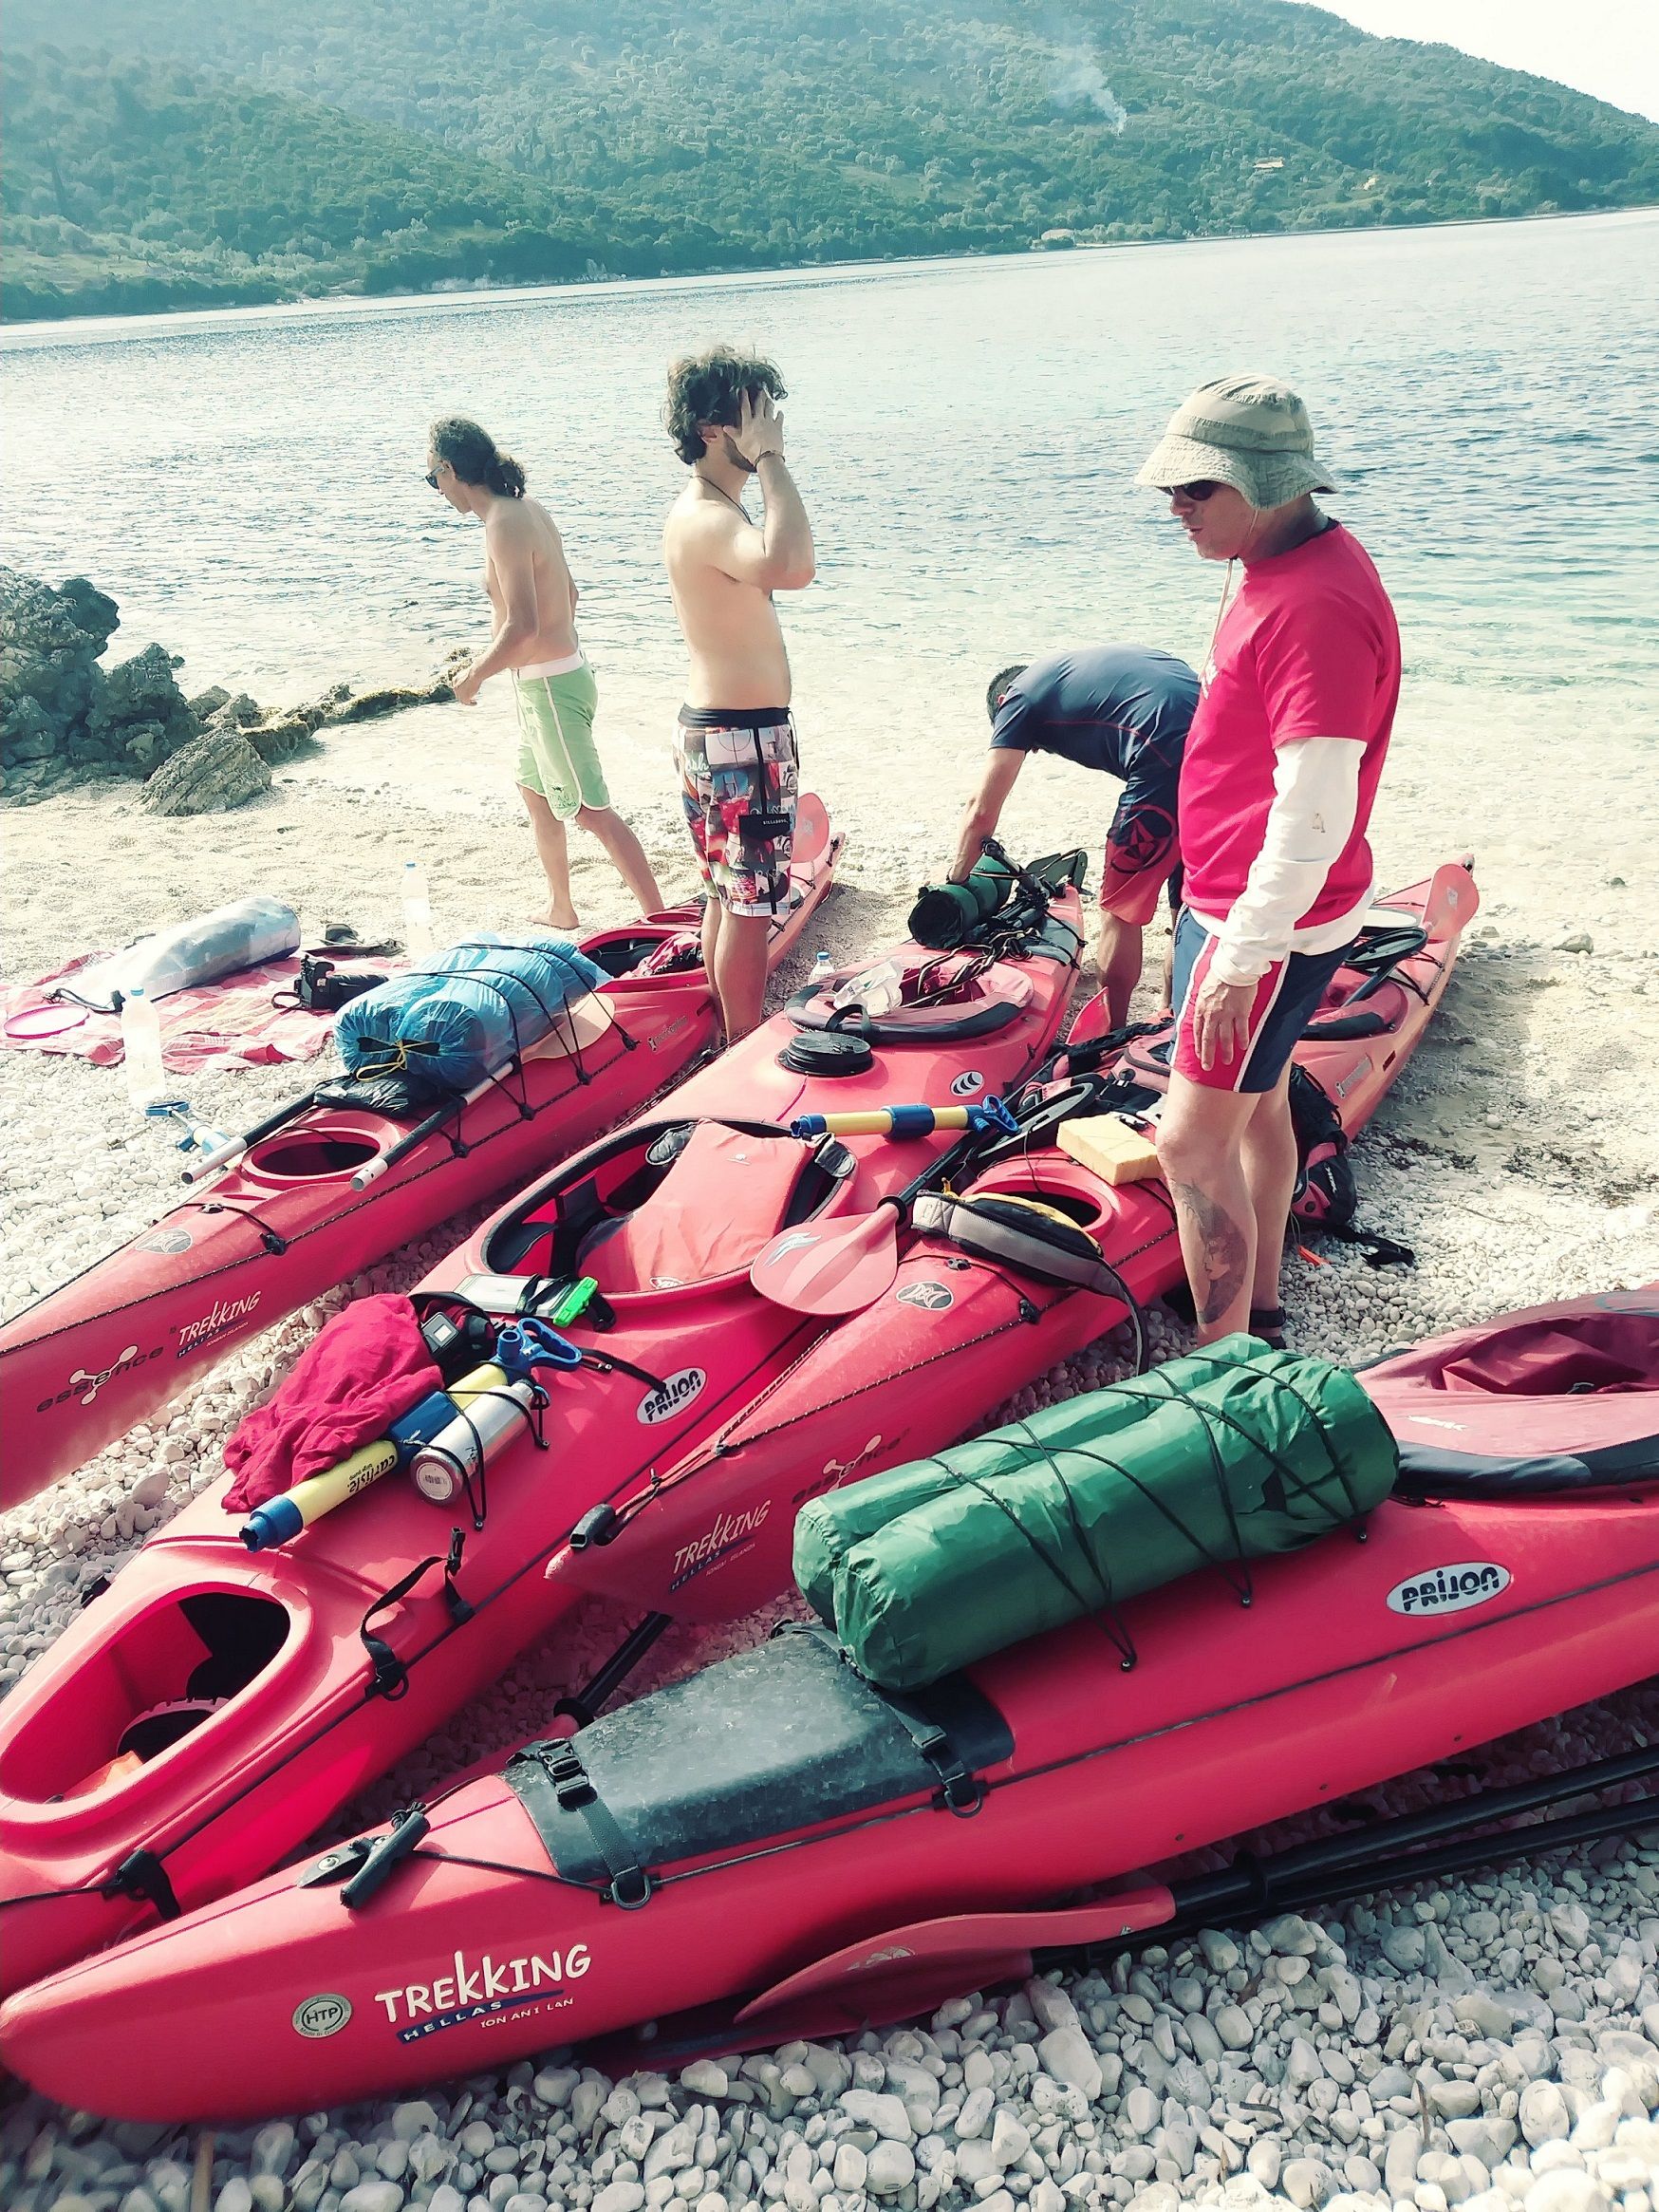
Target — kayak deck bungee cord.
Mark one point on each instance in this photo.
(309, 1667)
(775, 1848)
(319, 1190)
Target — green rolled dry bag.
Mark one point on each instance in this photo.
(1232, 1452)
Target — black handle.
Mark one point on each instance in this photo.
(386, 1855)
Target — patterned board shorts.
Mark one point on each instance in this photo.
(740, 779)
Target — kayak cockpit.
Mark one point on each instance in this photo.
(160, 1676)
(670, 1206)
(1550, 1402)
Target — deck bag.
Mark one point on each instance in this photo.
(198, 951)
(466, 1013)
(1232, 1453)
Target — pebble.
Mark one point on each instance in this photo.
(1543, 2114)
(1066, 2054)
(891, 2166)
(371, 2197)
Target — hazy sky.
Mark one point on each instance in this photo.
(1609, 48)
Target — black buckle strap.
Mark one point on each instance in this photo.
(630, 1886)
(141, 1875)
(390, 1676)
(960, 1787)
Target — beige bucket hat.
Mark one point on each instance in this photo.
(1250, 432)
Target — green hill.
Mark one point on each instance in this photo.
(262, 152)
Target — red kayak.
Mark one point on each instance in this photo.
(201, 1717)
(322, 1192)
(773, 1847)
(982, 1305)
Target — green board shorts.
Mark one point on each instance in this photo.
(556, 754)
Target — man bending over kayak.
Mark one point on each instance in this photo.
(735, 739)
(1277, 781)
(535, 599)
(1124, 709)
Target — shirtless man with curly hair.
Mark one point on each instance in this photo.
(735, 737)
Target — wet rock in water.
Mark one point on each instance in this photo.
(387, 698)
(213, 773)
(285, 737)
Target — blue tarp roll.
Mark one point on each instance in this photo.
(466, 1013)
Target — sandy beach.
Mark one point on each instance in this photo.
(1518, 1155)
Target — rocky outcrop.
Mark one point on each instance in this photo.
(61, 711)
(218, 770)
(63, 714)
(140, 716)
(50, 644)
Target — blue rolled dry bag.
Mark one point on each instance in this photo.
(467, 1012)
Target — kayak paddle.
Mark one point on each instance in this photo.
(845, 1266)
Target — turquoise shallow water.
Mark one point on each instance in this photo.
(966, 433)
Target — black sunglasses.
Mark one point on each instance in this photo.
(1205, 488)
(431, 477)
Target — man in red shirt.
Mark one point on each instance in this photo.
(1278, 779)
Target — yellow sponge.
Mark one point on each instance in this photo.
(1111, 1147)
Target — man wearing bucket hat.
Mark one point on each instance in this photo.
(1278, 779)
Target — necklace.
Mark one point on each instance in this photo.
(727, 497)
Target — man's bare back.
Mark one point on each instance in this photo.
(524, 557)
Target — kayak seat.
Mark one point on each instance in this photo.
(671, 1204)
(765, 1744)
(725, 1194)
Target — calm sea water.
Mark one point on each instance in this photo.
(249, 485)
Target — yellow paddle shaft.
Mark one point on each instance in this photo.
(321, 1493)
(878, 1121)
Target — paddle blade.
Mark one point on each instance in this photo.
(838, 1268)
(812, 835)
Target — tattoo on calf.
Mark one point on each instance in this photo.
(1226, 1252)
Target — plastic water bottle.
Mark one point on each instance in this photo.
(878, 989)
(822, 969)
(417, 938)
(141, 1037)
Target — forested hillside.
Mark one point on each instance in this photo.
(263, 150)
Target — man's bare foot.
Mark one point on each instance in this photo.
(559, 918)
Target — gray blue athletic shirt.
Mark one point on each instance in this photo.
(1125, 709)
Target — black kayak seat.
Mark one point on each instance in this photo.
(761, 1744)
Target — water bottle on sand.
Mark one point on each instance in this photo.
(822, 969)
(417, 938)
(141, 1037)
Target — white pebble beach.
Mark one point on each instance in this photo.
(1488, 2043)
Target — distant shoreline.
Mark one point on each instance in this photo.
(28, 336)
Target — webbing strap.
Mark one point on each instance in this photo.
(630, 1886)
(962, 1791)
(390, 1676)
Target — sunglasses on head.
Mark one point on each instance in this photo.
(1205, 488)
